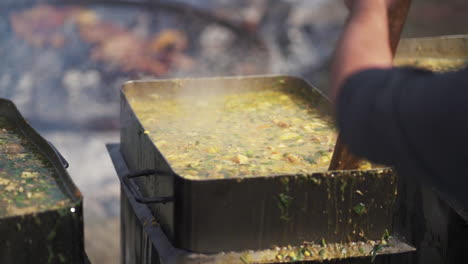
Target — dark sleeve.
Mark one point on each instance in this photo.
(412, 119)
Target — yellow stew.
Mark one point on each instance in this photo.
(257, 133)
(27, 183)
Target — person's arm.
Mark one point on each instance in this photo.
(364, 43)
(410, 119)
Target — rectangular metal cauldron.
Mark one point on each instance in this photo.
(433, 222)
(53, 236)
(250, 213)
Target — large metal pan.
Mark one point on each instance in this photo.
(53, 236)
(236, 214)
(431, 221)
(444, 53)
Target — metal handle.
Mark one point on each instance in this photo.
(61, 157)
(137, 194)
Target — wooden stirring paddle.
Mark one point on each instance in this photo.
(342, 158)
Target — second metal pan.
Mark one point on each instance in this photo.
(51, 236)
(248, 213)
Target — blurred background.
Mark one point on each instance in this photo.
(63, 62)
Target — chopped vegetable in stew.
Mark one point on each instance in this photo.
(260, 133)
(27, 183)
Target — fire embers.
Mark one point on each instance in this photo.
(40, 26)
(111, 43)
(115, 45)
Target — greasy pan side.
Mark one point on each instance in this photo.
(49, 236)
(235, 214)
